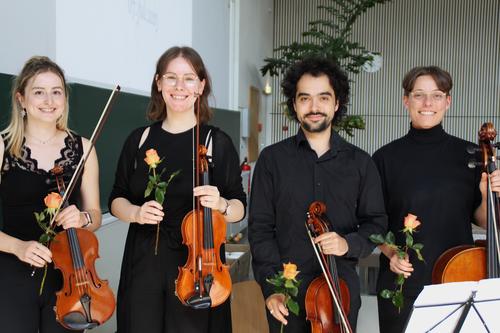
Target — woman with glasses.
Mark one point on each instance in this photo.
(146, 295)
(36, 140)
(425, 173)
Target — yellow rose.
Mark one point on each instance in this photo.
(290, 271)
(152, 159)
(52, 200)
(411, 223)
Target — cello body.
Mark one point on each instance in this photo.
(468, 262)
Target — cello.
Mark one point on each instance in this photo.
(204, 281)
(327, 298)
(469, 262)
(84, 301)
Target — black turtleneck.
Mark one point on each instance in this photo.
(425, 173)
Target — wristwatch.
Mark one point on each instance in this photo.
(88, 218)
(227, 206)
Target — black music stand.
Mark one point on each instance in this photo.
(457, 307)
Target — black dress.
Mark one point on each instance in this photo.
(146, 299)
(425, 173)
(22, 190)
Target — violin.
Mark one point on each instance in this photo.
(327, 299)
(204, 281)
(84, 301)
(469, 262)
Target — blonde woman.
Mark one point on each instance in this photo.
(37, 139)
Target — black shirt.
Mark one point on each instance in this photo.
(425, 173)
(288, 178)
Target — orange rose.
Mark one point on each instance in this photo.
(52, 200)
(290, 271)
(152, 159)
(411, 223)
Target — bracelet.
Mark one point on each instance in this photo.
(87, 217)
(227, 206)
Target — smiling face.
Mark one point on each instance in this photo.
(426, 104)
(178, 85)
(315, 103)
(44, 98)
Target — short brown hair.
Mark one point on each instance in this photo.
(157, 109)
(441, 77)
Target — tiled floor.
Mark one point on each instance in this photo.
(368, 317)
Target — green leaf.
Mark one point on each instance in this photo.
(149, 189)
(162, 185)
(400, 279)
(401, 253)
(398, 299)
(44, 239)
(386, 293)
(377, 239)
(293, 306)
(389, 238)
(159, 195)
(419, 255)
(294, 291)
(417, 246)
(409, 240)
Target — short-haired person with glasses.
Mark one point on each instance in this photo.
(146, 296)
(426, 173)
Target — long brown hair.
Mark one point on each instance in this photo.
(157, 109)
(14, 133)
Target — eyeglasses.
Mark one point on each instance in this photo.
(435, 96)
(189, 80)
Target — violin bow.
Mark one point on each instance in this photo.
(95, 135)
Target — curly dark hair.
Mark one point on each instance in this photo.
(317, 66)
(157, 108)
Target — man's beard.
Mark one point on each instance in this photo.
(316, 127)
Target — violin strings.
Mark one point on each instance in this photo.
(340, 310)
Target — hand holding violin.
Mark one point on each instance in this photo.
(332, 243)
(276, 306)
(71, 217)
(494, 180)
(210, 197)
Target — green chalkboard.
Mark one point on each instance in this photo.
(129, 112)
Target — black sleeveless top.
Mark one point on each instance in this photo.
(23, 187)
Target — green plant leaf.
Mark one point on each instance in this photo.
(149, 189)
(409, 240)
(389, 238)
(398, 299)
(377, 239)
(44, 239)
(417, 246)
(386, 293)
(293, 306)
(293, 291)
(400, 279)
(159, 195)
(419, 255)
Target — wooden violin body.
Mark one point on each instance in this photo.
(460, 263)
(319, 305)
(327, 299)
(85, 301)
(203, 259)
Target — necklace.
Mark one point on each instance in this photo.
(43, 142)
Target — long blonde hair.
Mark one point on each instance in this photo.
(14, 133)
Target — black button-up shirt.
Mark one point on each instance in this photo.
(288, 178)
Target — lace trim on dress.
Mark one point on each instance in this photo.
(68, 160)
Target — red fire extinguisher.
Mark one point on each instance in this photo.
(246, 171)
